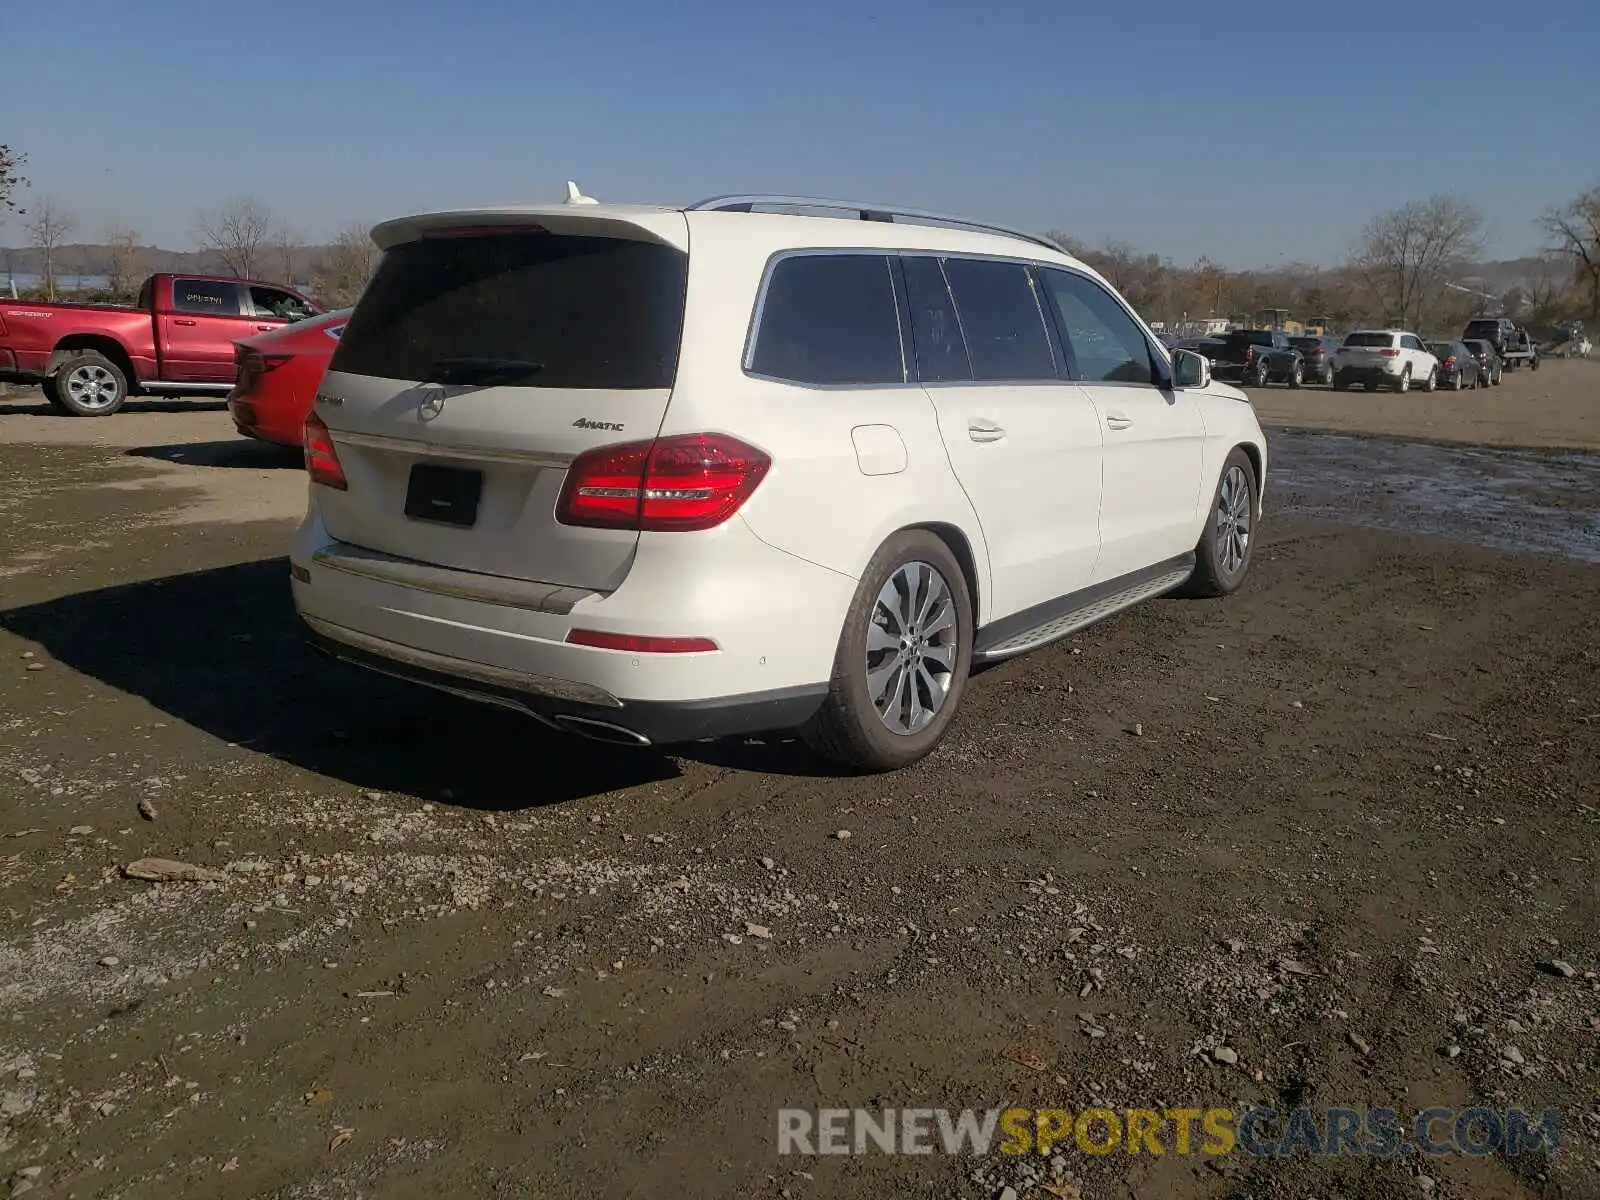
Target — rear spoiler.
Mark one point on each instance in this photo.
(666, 226)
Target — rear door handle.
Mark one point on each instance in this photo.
(1118, 420)
(181, 321)
(265, 327)
(980, 429)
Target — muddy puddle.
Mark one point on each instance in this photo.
(1504, 499)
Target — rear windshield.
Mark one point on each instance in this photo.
(1444, 348)
(1306, 343)
(575, 312)
(1370, 339)
(1250, 337)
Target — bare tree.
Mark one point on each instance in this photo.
(50, 224)
(123, 258)
(12, 180)
(237, 232)
(1574, 233)
(1404, 257)
(286, 243)
(341, 273)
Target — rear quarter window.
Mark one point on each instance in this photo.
(592, 312)
(829, 319)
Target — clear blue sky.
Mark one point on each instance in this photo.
(1181, 127)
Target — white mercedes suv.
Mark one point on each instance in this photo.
(655, 474)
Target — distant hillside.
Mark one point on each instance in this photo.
(95, 259)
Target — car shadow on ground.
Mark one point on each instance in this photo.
(234, 452)
(10, 407)
(222, 650)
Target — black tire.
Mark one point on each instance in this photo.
(1262, 374)
(1403, 384)
(51, 395)
(1297, 374)
(1459, 382)
(848, 729)
(1431, 383)
(90, 374)
(1328, 375)
(1340, 383)
(1212, 575)
(1534, 365)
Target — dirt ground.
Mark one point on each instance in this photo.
(1343, 824)
(1557, 406)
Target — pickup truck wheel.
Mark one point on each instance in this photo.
(1261, 373)
(91, 385)
(51, 394)
(1297, 374)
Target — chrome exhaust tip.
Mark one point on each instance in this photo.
(600, 731)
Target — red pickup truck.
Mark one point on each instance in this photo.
(177, 340)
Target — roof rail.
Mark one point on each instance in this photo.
(866, 212)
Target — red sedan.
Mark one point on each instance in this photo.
(278, 374)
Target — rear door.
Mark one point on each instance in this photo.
(195, 337)
(1023, 441)
(478, 363)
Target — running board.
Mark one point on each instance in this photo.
(162, 385)
(1057, 618)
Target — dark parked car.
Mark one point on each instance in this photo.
(1497, 331)
(1318, 354)
(1255, 357)
(1458, 366)
(1489, 364)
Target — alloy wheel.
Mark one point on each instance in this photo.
(92, 387)
(912, 643)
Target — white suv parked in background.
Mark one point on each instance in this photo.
(1389, 358)
(657, 474)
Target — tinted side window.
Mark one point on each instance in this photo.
(205, 296)
(940, 348)
(1103, 341)
(1004, 329)
(830, 318)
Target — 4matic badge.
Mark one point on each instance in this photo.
(585, 423)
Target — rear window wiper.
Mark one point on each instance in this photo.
(488, 372)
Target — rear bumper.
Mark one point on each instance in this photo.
(632, 722)
(775, 619)
(265, 422)
(1368, 374)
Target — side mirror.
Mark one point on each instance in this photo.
(1190, 370)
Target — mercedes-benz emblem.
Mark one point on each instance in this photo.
(431, 405)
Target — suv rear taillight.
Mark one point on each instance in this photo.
(322, 460)
(680, 484)
(1390, 353)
